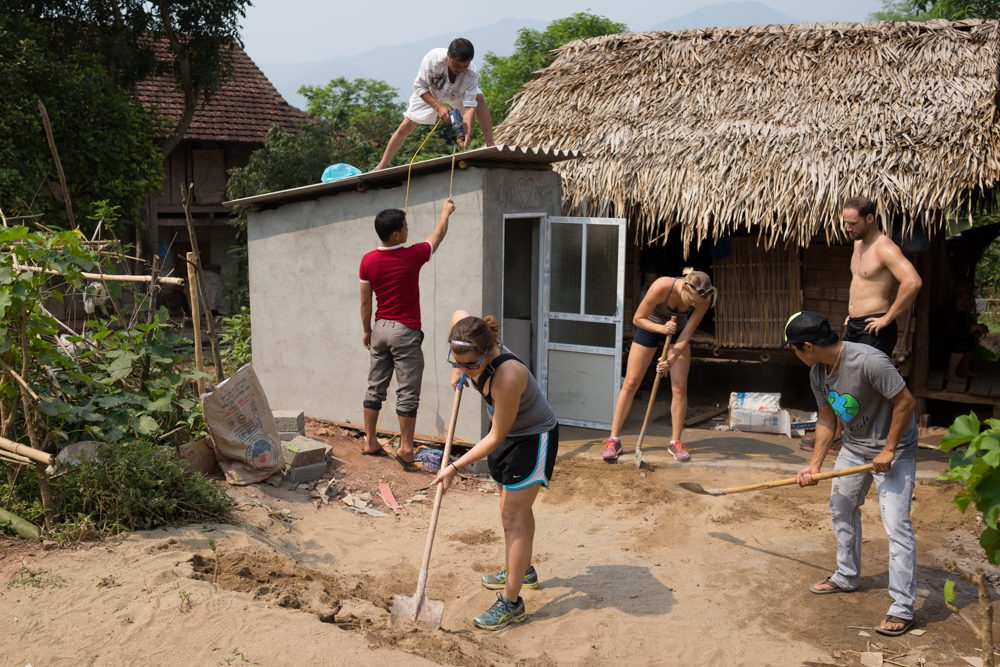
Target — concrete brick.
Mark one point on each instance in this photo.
(290, 420)
(308, 473)
(310, 452)
(288, 435)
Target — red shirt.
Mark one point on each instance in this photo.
(394, 274)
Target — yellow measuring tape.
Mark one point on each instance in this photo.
(407, 201)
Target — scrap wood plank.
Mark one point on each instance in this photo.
(981, 386)
(390, 500)
(935, 379)
(706, 415)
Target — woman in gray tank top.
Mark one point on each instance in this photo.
(688, 299)
(520, 448)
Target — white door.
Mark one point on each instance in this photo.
(583, 301)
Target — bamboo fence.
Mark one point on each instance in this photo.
(758, 291)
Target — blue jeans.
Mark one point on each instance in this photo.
(895, 493)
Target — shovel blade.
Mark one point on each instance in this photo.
(638, 456)
(423, 610)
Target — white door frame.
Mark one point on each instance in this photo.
(543, 330)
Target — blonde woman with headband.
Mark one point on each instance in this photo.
(520, 448)
(688, 299)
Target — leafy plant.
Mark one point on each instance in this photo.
(130, 486)
(236, 334)
(977, 467)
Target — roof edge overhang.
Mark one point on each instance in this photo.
(496, 156)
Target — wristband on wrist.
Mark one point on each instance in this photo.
(454, 466)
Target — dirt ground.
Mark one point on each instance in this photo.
(633, 570)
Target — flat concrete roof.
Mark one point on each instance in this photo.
(498, 155)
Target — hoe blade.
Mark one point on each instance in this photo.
(424, 610)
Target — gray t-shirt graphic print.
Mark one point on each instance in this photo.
(861, 393)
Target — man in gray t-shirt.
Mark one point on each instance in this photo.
(859, 385)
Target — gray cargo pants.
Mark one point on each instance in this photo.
(895, 492)
(395, 346)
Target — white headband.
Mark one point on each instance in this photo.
(462, 342)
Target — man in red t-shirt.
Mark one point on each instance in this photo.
(392, 272)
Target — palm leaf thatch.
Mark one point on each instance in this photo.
(771, 128)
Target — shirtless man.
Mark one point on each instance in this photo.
(877, 263)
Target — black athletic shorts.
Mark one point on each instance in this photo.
(884, 341)
(648, 338)
(524, 460)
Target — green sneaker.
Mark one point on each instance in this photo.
(496, 582)
(501, 614)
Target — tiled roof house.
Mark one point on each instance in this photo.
(222, 135)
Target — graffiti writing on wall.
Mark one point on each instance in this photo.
(524, 193)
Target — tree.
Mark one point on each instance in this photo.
(105, 138)
(502, 77)
(199, 38)
(287, 160)
(923, 10)
(362, 114)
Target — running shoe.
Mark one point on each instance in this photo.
(676, 447)
(501, 614)
(496, 582)
(612, 448)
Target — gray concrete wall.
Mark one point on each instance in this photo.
(508, 191)
(304, 293)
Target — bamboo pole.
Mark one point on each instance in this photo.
(25, 529)
(210, 321)
(193, 282)
(55, 156)
(35, 455)
(111, 277)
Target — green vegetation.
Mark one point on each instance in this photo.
(105, 138)
(120, 383)
(924, 10)
(501, 77)
(236, 333)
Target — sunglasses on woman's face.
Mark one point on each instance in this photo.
(458, 364)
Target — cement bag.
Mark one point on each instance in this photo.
(760, 421)
(755, 400)
(247, 443)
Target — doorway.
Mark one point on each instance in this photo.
(521, 258)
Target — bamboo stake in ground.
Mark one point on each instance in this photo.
(652, 398)
(55, 156)
(212, 336)
(193, 282)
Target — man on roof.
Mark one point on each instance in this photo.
(876, 266)
(446, 76)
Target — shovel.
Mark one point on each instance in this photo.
(696, 488)
(418, 607)
(652, 397)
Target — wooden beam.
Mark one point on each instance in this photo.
(922, 316)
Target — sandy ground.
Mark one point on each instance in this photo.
(634, 571)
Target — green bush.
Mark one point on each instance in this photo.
(126, 486)
(236, 334)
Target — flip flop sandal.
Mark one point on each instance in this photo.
(408, 466)
(378, 452)
(828, 580)
(908, 625)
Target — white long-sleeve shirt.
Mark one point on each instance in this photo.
(432, 77)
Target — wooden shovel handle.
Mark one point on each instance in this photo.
(656, 386)
(819, 477)
(445, 461)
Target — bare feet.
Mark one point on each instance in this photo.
(894, 625)
(969, 374)
(954, 378)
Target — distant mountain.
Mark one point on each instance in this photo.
(396, 65)
(726, 15)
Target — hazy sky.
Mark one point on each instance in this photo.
(295, 31)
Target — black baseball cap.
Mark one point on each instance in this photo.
(805, 327)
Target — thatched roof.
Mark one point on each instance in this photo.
(724, 128)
